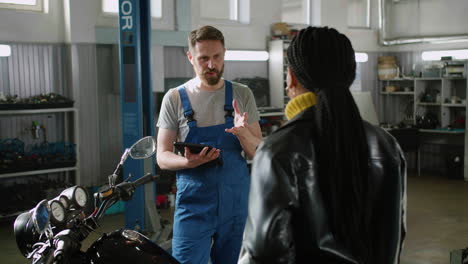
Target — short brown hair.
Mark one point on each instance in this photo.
(205, 33)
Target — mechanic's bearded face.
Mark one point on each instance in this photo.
(207, 58)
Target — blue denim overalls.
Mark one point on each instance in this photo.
(211, 203)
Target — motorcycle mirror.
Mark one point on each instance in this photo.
(143, 148)
(41, 216)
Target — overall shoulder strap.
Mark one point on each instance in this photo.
(188, 112)
(228, 100)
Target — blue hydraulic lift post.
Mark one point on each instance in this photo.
(136, 96)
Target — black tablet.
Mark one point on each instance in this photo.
(194, 148)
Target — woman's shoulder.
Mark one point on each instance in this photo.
(291, 138)
(381, 143)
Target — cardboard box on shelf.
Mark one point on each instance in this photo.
(280, 29)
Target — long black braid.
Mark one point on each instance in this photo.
(323, 61)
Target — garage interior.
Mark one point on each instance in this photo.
(61, 111)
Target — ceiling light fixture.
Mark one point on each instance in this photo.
(5, 50)
(436, 55)
(361, 57)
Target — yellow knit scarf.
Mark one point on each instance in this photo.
(299, 104)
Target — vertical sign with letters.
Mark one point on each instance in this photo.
(133, 16)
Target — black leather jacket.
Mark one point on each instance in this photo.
(287, 220)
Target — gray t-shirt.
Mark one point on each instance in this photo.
(208, 107)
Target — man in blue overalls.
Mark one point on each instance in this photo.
(212, 186)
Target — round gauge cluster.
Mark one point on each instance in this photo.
(57, 210)
(65, 202)
(75, 197)
(81, 197)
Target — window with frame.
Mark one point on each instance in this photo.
(112, 7)
(295, 11)
(359, 13)
(32, 5)
(237, 11)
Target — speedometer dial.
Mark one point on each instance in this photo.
(77, 197)
(57, 211)
(65, 202)
(81, 196)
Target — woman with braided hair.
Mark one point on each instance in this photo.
(327, 187)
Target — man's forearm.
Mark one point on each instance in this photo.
(249, 143)
(170, 161)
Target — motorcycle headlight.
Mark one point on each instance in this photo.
(41, 216)
(24, 233)
(29, 226)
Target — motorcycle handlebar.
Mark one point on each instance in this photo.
(145, 179)
(124, 190)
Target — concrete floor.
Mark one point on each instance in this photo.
(437, 219)
(437, 223)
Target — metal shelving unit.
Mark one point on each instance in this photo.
(71, 136)
(392, 102)
(446, 88)
(445, 97)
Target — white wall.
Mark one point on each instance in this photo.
(29, 26)
(367, 39)
(250, 36)
(427, 18)
(433, 17)
(334, 14)
(84, 16)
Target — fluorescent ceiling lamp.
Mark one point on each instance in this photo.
(361, 57)
(246, 55)
(110, 6)
(438, 54)
(5, 50)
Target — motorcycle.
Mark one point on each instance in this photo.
(53, 230)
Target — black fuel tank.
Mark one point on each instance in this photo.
(127, 246)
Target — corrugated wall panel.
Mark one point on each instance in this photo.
(12, 72)
(33, 69)
(110, 132)
(84, 82)
(58, 83)
(46, 66)
(35, 63)
(4, 75)
(27, 72)
(60, 71)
